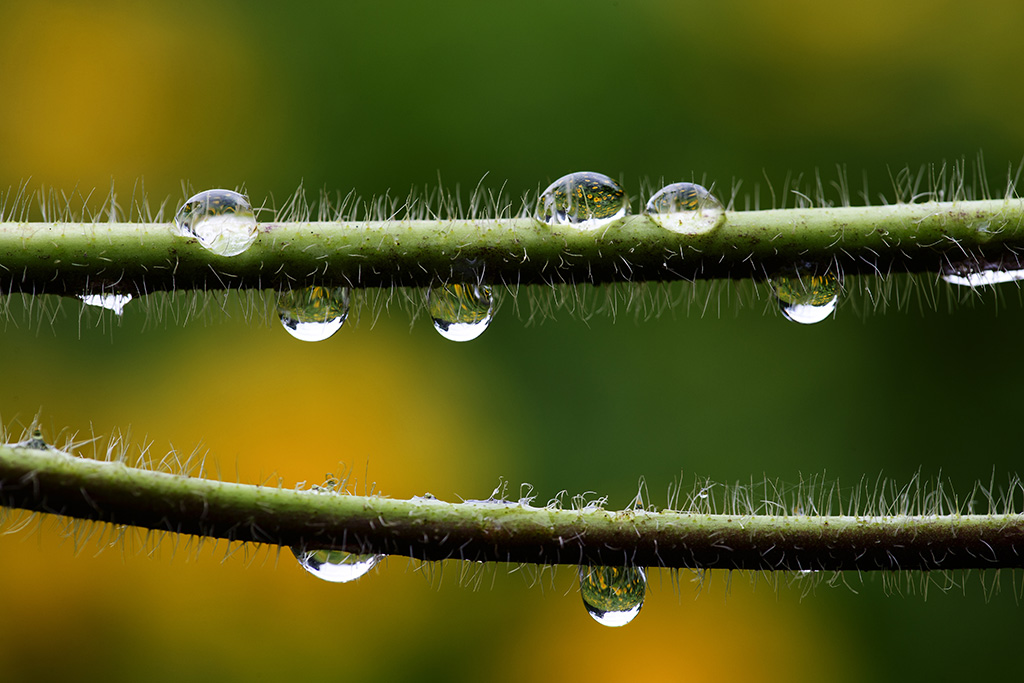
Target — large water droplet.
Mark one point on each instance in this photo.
(806, 296)
(221, 220)
(461, 312)
(686, 208)
(979, 273)
(336, 566)
(110, 301)
(613, 596)
(313, 313)
(584, 200)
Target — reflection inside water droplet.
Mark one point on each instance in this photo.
(336, 566)
(981, 273)
(110, 301)
(584, 200)
(222, 221)
(613, 596)
(313, 313)
(461, 312)
(805, 296)
(686, 208)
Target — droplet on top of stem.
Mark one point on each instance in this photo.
(584, 200)
(222, 221)
(804, 295)
(686, 208)
(461, 312)
(35, 442)
(336, 566)
(613, 596)
(313, 313)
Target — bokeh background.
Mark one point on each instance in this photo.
(385, 96)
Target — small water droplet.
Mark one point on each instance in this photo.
(804, 295)
(110, 301)
(222, 221)
(686, 208)
(613, 596)
(313, 313)
(336, 566)
(34, 442)
(584, 200)
(980, 273)
(461, 312)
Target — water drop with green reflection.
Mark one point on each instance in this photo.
(613, 596)
(460, 312)
(686, 208)
(584, 200)
(805, 295)
(313, 313)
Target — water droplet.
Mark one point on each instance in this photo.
(686, 208)
(979, 273)
(806, 296)
(613, 595)
(461, 312)
(584, 200)
(221, 220)
(313, 313)
(336, 566)
(34, 442)
(110, 301)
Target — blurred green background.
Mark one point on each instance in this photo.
(381, 96)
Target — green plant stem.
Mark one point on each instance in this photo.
(51, 481)
(137, 258)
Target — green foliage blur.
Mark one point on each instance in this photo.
(381, 97)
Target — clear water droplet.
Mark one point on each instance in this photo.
(686, 208)
(110, 301)
(980, 273)
(336, 566)
(804, 295)
(313, 313)
(222, 221)
(461, 312)
(584, 200)
(613, 596)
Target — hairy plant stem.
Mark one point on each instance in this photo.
(44, 479)
(137, 258)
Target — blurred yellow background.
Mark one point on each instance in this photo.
(392, 95)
